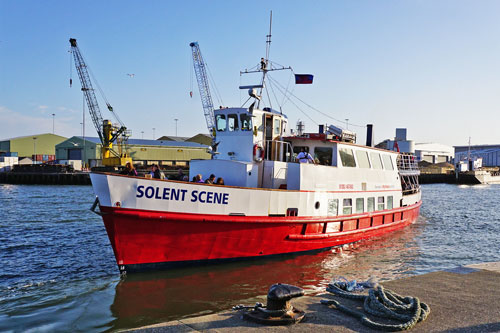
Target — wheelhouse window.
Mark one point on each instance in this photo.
(276, 126)
(232, 122)
(347, 157)
(220, 121)
(246, 122)
(376, 161)
(388, 162)
(390, 205)
(370, 204)
(381, 205)
(362, 157)
(324, 155)
(347, 207)
(360, 205)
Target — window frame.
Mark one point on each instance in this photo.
(362, 201)
(245, 117)
(219, 117)
(323, 156)
(372, 201)
(379, 161)
(387, 157)
(349, 162)
(348, 206)
(233, 116)
(365, 154)
(379, 199)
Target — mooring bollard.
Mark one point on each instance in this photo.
(279, 310)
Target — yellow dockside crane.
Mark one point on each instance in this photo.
(108, 133)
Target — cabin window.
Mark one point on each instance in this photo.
(380, 202)
(362, 157)
(360, 205)
(388, 162)
(246, 122)
(347, 207)
(376, 161)
(347, 157)
(220, 120)
(389, 202)
(333, 207)
(276, 126)
(232, 122)
(297, 149)
(370, 204)
(324, 155)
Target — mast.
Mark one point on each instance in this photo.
(265, 63)
(264, 67)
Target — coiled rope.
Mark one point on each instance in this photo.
(382, 303)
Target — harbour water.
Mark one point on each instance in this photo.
(57, 269)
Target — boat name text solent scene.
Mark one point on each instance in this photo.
(172, 194)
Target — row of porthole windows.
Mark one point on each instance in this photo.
(373, 160)
(359, 205)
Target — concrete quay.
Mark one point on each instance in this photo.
(465, 299)
(39, 178)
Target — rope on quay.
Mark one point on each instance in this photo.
(382, 303)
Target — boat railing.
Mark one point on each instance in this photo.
(407, 164)
(278, 151)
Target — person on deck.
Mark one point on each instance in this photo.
(220, 181)
(199, 179)
(305, 157)
(155, 172)
(211, 179)
(129, 170)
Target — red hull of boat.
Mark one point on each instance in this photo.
(150, 239)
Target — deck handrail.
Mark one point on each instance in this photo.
(278, 151)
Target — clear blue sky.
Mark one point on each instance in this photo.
(430, 66)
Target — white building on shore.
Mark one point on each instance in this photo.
(429, 152)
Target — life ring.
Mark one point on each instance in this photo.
(258, 153)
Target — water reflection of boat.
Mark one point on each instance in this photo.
(149, 298)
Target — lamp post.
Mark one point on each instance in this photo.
(53, 120)
(346, 123)
(34, 150)
(142, 132)
(176, 120)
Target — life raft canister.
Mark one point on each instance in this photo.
(258, 153)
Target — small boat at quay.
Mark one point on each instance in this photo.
(270, 204)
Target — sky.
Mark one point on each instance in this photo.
(432, 66)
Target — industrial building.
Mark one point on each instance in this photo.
(142, 152)
(434, 152)
(39, 147)
(429, 152)
(201, 138)
(490, 154)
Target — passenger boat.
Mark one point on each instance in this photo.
(270, 204)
